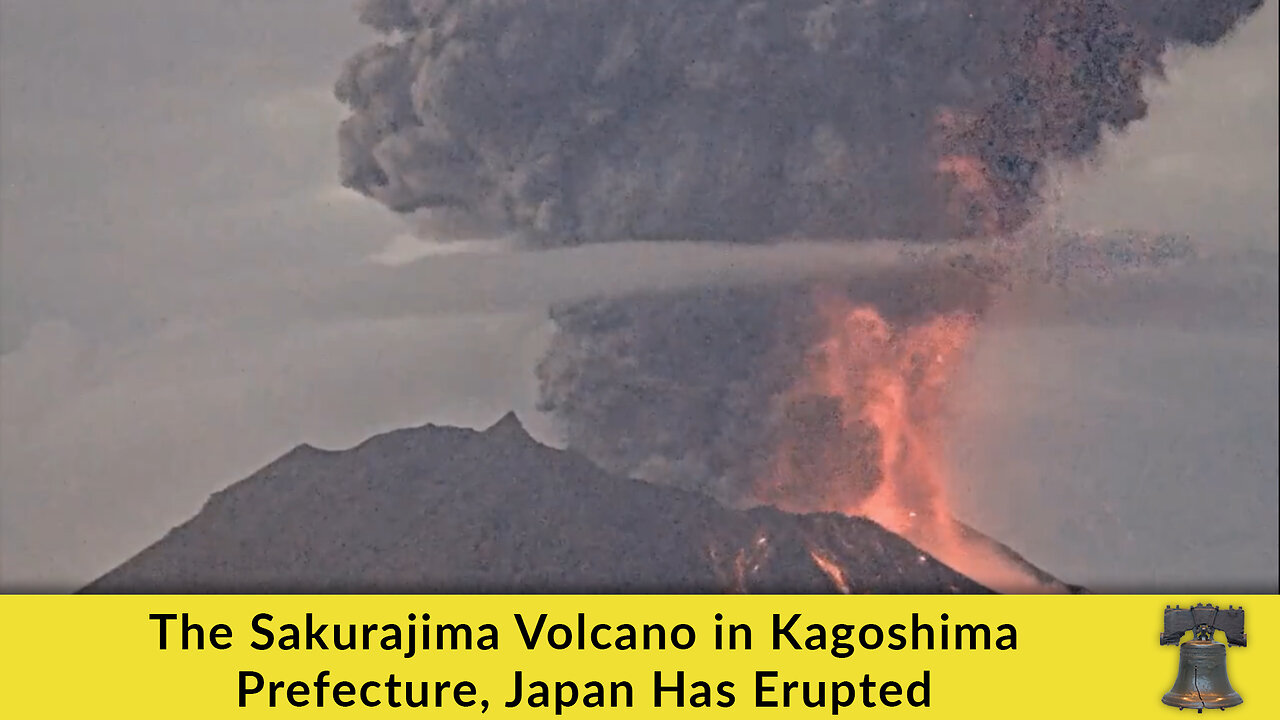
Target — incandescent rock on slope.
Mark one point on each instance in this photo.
(440, 509)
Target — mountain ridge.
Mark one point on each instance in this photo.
(438, 509)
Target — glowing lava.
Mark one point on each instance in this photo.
(864, 437)
(832, 569)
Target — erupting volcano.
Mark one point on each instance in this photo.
(864, 437)
(563, 122)
(834, 401)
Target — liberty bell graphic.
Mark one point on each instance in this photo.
(1202, 662)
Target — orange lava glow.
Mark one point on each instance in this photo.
(736, 575)
(865, 436)
(832, 570)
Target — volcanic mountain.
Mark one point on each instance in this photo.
(450, 510)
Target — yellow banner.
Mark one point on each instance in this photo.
(585, 656)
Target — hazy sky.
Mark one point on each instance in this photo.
(186, 292)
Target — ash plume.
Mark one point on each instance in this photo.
(566, 121)
(688, 387)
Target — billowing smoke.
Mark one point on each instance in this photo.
(575, 121)
(570, 121)
(691, 388)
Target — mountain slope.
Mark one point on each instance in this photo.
(438, 509)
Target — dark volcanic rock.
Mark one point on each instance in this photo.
(448, 510)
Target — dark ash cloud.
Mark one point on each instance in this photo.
(688, 387)
(569, 121)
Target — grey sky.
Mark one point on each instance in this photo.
(185, 291)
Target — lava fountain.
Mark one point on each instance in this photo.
(865, 436)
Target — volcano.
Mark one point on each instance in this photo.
(452, 510)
